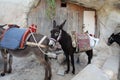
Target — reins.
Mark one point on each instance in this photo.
(39, 41)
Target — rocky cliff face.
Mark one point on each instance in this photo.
(15, 12)
(108, 21)
(108, 12)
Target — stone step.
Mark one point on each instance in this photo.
(91, 72)
(111, 67)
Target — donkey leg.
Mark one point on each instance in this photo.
(90, 55)
(4, 55)
(10, 63)
(42, 61)
(46, 72)
(41, 58)
(68, 64)
(49, 67)
(49, 71)
(72, 62)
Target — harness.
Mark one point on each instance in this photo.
(53, 41)
(8, 42)
(39, 42)
(58, 38)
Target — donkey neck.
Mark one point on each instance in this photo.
(65, 39)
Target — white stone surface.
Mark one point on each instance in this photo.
(111, 67)
(91, 72)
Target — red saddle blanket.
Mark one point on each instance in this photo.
(15, 37)
(83, 42)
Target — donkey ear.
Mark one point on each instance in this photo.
(61, 26)
(112, 34)
(54, 23)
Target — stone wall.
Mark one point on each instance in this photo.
(108, 13)
(15, 11)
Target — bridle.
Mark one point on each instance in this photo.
(53, 41)
(59, 36)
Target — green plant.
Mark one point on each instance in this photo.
(63, 1)
(51, 9)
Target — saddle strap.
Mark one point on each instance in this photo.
(27, 34)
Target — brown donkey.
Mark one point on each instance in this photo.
(36, 50)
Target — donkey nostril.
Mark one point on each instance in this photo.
(51, 45)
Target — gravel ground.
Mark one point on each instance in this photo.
(28, 68)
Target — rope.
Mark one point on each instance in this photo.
(36, 42)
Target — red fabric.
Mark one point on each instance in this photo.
(83, 42)
(31, 28)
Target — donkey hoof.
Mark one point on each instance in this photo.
(9, 71)
(73, 72)
(2, 74)
(88, 63)
(49, 78)
(66, 72)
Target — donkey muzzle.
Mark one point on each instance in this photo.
(52, 42)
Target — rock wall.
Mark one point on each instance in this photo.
(108, 12)
(15, 11)
(108, 22)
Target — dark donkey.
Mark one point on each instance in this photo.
(58, 34)
(114, 38)
(27, 52)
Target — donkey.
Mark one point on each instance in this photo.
(60, 35)
(27, 52)
(114, 38)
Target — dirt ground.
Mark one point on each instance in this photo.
(28, 68)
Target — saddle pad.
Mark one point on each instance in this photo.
(83, 42)
(12, 38)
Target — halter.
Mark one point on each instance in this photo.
(53, 41)
(58, 38)
(59, 35)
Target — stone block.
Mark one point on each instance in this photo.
(111, 67)
(91, 72)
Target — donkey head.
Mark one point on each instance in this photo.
(56, 33)
(111, 39)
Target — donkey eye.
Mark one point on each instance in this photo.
(57, 33)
